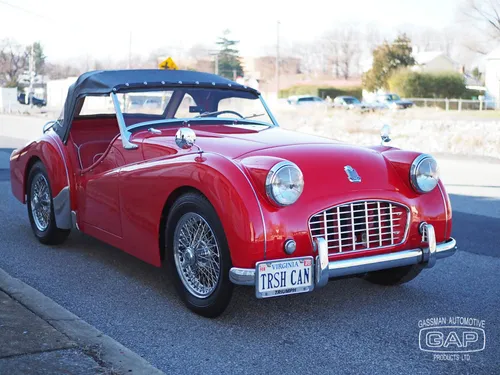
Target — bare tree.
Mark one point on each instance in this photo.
(485, 15)
(349, 46)
(60, 71)
(13, 62)
(486, 12)
(332, 48)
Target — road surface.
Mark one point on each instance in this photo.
(350, 326)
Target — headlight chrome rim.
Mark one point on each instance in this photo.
(273, 172)
(415, 168)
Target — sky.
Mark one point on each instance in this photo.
(68, 29)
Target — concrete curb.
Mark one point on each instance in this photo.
(112, 353)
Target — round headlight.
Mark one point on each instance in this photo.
(424, 173)
(284, 183)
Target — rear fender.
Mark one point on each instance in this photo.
(51, 152)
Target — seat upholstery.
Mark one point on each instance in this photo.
(91, 137)
(90, 151)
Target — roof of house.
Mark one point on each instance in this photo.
(426, 57)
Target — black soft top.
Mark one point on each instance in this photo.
(104, 82)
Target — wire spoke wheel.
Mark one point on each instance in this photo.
(40, 202)
(197, 255)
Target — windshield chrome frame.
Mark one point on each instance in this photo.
(125, 131)
(122, 125)
(269, 113)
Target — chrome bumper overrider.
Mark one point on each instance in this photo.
(325, 269)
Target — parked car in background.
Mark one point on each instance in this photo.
(349, 102)
(306, 100)
(489, 101)
(220, 195)
(393, 101)
(21, 98)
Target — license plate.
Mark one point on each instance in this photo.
(282, 277)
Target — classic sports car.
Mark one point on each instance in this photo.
(209, 186)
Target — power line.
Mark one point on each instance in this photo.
(26, 10)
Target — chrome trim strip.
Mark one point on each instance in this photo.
(74, 220)
(321, 263)
(62, 202)
(62, 156)
(62, 209)
(374, 263)
(242, 276)
(346, 267)
(256, 198)
(446, 249)
(429, 252)
(445, 203)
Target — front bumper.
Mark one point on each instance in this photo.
(326, 269)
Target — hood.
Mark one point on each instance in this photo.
(324, 167)
(232, 141)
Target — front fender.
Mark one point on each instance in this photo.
(145, 188)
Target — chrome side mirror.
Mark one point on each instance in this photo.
(185, 138)
(385, 134)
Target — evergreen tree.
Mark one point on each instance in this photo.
(229, 61)
(387, 58)
(38, 57)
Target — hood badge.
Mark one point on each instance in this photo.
(351, 173)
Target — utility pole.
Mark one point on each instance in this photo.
(277, 59)
(32, 73)
(129, 50)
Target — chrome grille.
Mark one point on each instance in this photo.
(361, 225)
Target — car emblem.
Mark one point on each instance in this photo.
(351, 173)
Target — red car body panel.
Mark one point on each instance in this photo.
(123, 199)
(51, 151)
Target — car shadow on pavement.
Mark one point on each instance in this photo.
(342, 295)
(93, 270)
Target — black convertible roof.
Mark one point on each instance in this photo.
(104, 82)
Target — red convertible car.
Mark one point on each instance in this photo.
(191, 171)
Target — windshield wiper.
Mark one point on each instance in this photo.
(205, 114)
(254, 115)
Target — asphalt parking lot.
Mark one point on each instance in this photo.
(350, 326)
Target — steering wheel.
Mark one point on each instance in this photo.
(217, 113)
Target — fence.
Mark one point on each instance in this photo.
(456, 104)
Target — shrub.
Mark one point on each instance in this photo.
(428, 85)
(322, 92)
(299, 90)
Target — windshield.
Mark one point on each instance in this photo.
(187, 104)
(391, 97)
(351, 100)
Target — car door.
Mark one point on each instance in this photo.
(98, 196)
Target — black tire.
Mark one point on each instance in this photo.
(51, 235)
(215, 303)
(394, 276)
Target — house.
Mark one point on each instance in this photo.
(427, 61)
(492, 74)
(434, 62)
